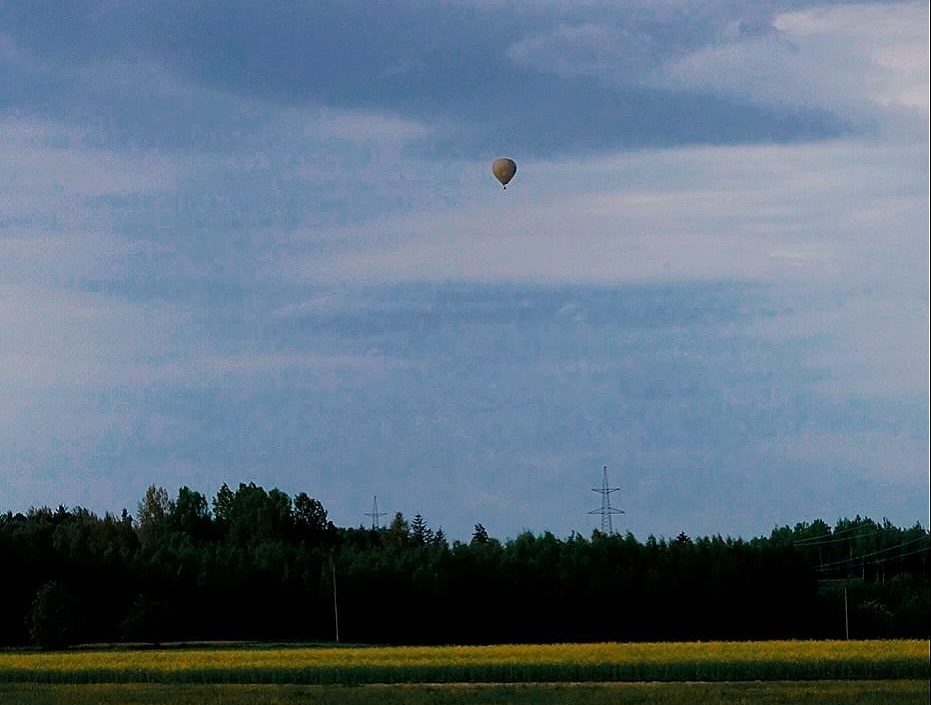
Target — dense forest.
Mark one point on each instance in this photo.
(253, 564)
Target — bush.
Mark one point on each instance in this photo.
(53, 617)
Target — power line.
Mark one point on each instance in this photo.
(804, 544)
(830, 534)
(855, 559)
(898, 555)
(813, 540)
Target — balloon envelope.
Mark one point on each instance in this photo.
(504, 170)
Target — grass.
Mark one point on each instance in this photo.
(550, 663)
(889, 692)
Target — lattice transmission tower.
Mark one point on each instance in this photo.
(606, 510)
(375, 514)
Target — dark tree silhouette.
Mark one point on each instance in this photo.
(53, 618)
(255, 564)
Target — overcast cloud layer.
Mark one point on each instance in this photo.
(243, 242)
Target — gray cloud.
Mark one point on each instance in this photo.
(456, 71)
(610, 53)
(864, 62)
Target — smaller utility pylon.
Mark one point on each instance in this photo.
(606, 510)
(375, 514)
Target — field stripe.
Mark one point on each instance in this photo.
(670, 662)
(759, 693)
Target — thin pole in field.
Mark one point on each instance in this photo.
(846, 619)
(335, 604)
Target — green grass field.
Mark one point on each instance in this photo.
(891, 692)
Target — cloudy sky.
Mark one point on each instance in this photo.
(246, 241)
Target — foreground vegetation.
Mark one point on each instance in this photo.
(669, 662)
(771, 693)
(259, 565)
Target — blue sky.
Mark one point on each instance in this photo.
(261, 242)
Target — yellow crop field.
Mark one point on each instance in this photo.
(700, 661)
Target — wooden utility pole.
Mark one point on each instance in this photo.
(846, 619)
(335, 603)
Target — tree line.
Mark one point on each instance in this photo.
(256, 564)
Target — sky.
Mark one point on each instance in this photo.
(260, 242)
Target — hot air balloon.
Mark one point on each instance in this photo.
(504, 170)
